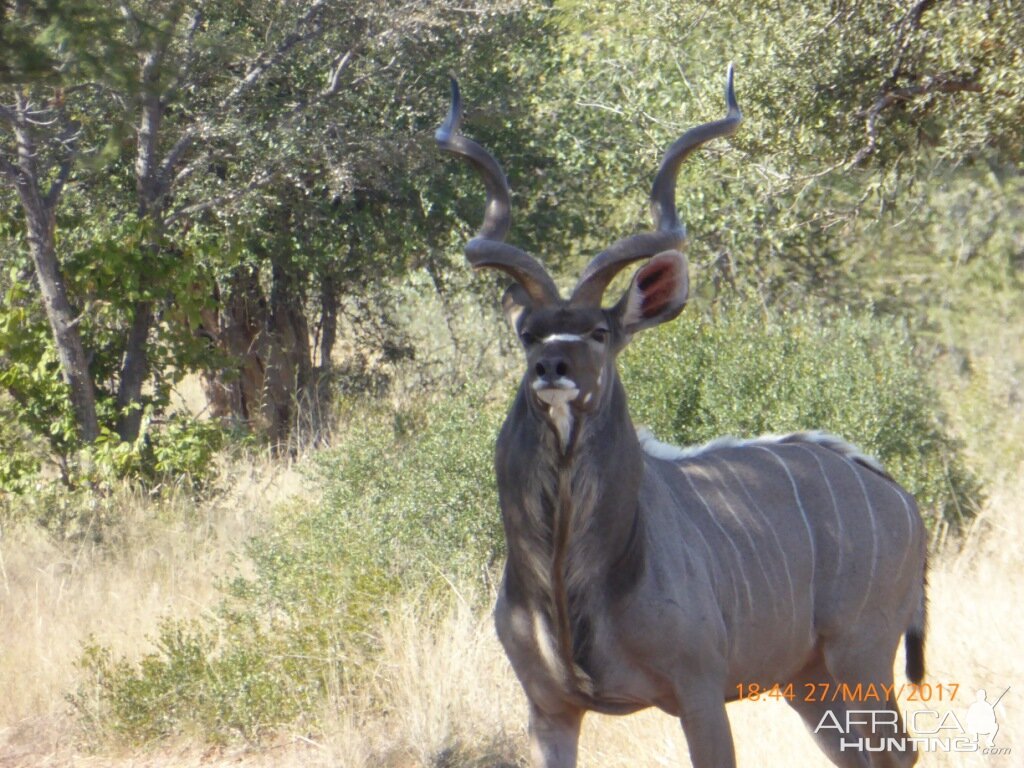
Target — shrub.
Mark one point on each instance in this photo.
(20, 456)
(749, 372)
(179, 450)
(408, 504)
(188, 684)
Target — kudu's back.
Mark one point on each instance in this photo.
(798, 531)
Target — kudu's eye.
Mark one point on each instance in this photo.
(600, 335)
(527, 338)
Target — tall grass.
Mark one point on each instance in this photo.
(451, 699)
(157, 556)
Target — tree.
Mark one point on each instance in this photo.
(210, 186)
(848, 108)
(236, 162)
(50, 72)
(147, 59)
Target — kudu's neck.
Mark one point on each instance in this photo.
(601, 470)
(571, 520)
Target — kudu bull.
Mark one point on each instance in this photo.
(644, 575)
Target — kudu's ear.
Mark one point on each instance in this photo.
(657, 293)
(515, 301)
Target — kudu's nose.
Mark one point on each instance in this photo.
(551, 368)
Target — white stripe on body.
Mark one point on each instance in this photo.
(739, 555)
(712, 563)
(910, 530)
(783, 558)
(803, 512)
(841, 531)
(874, 539)
(755, 550)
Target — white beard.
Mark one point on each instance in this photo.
(557, 399)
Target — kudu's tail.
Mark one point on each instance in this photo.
(913, 640)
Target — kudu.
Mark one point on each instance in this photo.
(643, 575)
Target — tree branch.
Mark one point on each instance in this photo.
(188, 58)
(189, 169)
(263, 64)
(63, 173)
(229, 197)
(919, 9)
(905, 28)
(174, 154)
(335, 78)
(945, 82)
(69, 139)
(379, 70)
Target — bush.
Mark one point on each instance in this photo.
(408, 504)
(749, 373)
(178, 451)
(185, 687)
(20, 455)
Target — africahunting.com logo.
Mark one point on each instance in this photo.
(974, 730)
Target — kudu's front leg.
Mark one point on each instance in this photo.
(708, 735)
(554, 738)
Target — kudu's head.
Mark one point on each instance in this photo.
(571, 343)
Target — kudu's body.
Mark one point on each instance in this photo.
(640, 575)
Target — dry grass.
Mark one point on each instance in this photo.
(54, 596)
(451, 698)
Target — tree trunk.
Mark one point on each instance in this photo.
(150, 194)
(133, 373)
(329, 307)
(269, 385)
(237, 329)
(71, 353)
(41, 223)
(289, 366)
